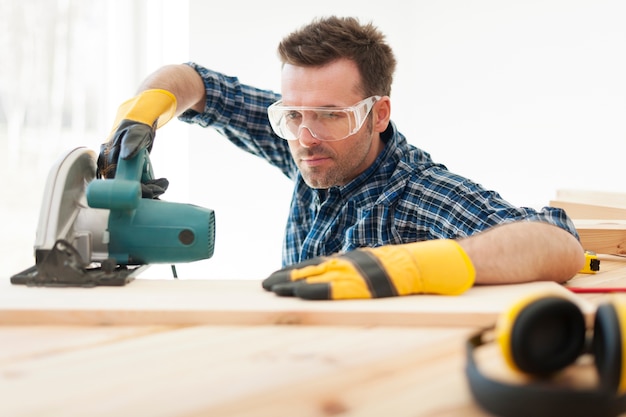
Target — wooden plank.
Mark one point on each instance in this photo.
(254, 371)
(183, 302)
(612, 274)
(601, 198)
(427, 384)
(427, 381)
(599, 217)
(589, 211)
(22, 343)
(602, 236)
(250, 370)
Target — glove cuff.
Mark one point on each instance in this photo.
(148, 107)
(444, 266)
(438, 266)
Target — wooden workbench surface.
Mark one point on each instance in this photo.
(187, 302)
(239, 368)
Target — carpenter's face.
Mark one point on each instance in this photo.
(325, 164)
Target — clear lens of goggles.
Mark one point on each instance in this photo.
(324, 123)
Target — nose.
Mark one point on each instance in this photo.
(307, 138)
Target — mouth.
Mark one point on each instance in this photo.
(315, 160)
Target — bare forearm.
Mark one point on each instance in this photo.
(182, 81)
(524, 251)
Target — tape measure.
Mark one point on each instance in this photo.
(592, 263)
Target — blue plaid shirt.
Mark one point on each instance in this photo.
(403, 197)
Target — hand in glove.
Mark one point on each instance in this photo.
(430, 267)
(134, 129)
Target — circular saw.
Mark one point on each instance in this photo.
(102, 232)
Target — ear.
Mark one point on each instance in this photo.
(382, 114)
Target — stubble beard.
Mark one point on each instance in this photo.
(344, 169)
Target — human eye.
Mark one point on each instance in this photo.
(293, 115)
(330, 115)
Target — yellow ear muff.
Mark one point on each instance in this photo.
(504, 325)
(541, 334)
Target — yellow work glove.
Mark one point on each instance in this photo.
(429, 267)
(134, 129)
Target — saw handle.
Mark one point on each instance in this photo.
(124, 191)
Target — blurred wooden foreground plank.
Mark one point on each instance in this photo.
(427, 381)
(22, 343)
(186, 302)
(249, 371)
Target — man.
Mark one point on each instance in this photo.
(371, 215)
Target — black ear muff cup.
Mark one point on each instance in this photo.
(548, 334)
(607, 347)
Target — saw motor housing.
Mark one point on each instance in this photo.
(146, 231)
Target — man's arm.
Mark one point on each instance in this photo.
(522, 252)
(166, 93)
(182, 81)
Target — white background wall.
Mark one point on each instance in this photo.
(525, 97)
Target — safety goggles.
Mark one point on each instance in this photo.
(324, 123)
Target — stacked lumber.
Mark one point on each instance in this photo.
(599, 217)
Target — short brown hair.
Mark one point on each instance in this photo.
(327, 39)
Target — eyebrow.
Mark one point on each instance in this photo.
(317, 107)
